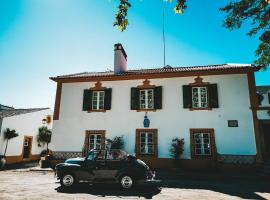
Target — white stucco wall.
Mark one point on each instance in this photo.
(26, 125)
(171, 121)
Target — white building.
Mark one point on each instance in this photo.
(26, 123)
(263, 112)
(212, 107)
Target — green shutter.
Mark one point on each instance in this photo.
(108, 99)
(187, 96)
(158, 97)
(87, 100)
(134, 99)
(213, 96)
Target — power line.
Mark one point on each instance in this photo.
(163, 33)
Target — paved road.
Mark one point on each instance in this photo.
(43, 185)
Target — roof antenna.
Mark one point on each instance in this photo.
(163, 33)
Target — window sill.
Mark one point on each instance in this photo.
(192, 109)
(90, 111)
(146, 110)
(203, 157)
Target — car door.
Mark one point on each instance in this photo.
(101, 169)
(114, 162)
(89, 166)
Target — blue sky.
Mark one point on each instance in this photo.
(44, 38)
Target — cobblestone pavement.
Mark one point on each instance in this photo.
(36, 185)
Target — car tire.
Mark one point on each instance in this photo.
(68, 180)
(126, 182)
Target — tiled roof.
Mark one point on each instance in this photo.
(13, 112)
(263, 89)
(167, 69)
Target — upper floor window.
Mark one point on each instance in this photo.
(98, 100)
(147, 99)
(200, 95)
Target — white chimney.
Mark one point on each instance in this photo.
(120, 59)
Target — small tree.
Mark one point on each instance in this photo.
(117, 142)
(9, 134)
(44, 136)
(177, 148)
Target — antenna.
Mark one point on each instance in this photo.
(163, 33)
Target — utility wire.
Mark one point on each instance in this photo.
(163, 33)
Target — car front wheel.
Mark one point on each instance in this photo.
(126, 182)
(68, 180)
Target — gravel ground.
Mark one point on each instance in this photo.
(17, 184)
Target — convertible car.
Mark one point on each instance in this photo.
(105, 166)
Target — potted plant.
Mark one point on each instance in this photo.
(8, 134)
(177, 149)
(44, 137)
(116, 143)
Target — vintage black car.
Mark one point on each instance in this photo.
(105, 166)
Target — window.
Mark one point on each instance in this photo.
(202, 143)
(147, 99)
(98, 100)
(95, 141)
(199, 97)
(146, 142)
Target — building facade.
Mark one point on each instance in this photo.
(211, 107)
(263, 113)
(26, 123)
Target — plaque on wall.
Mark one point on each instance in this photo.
(232, 123)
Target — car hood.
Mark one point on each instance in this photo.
(77, 161)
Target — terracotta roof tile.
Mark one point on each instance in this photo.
(167, 69)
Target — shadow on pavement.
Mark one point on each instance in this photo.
(112, 190)
(241, 189)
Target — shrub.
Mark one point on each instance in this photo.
(177, 148)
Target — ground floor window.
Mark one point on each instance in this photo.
(94, 139)
(202, 143)
(146, 142)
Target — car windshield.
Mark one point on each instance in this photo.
(113, 154)
(96, 155)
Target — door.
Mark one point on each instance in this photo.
(266, 138)
(27, 144)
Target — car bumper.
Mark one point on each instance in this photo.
(148, 182)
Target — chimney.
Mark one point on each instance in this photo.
(120, 59)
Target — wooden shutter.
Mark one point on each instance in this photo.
(108, 99)
(158, 97)
(213, 96)
(87, 100)
(137, 142)
(134, 104)
(86, 144)
(187, 96)
(155, 143)
(269, 97)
